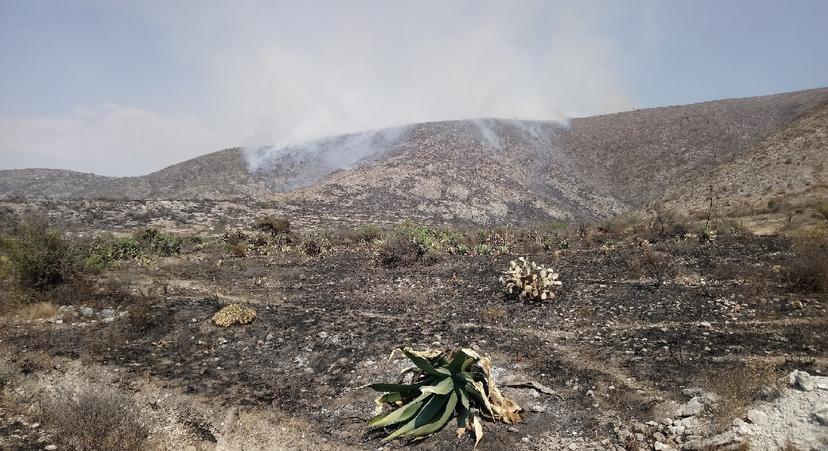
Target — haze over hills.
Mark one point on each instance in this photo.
(485, 170)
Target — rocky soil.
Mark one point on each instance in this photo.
(694, 355)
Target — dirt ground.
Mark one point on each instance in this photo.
(617, 347)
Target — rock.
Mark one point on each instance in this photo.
(538, 408)
(108, 320)
(802, 380)
(573, 446)
(757, 416)
(821, 415)
(659, 436)
(108, 313)
(50, 447)
(658, 446)
(269, 337)
(323, 335)
(693, 407)
(87, 311)
(512, 429)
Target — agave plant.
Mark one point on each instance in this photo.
(442, 384)
(529, 280)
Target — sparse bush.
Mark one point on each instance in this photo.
(238, 250)
(8, 372)
(234, 314)
(368, 233)
(775, 205)
(808, 272)
(95, 418)
(273, 225)
(823, 210)
(530, 281)
(442, 385)
(658, 266)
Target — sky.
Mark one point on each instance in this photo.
(124, 88)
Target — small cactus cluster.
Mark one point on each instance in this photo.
(530, 281)
(234, 314)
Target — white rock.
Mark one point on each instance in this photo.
(802, 380)
(757, 416)
(693, 407)
(658, 446)
(821, 415)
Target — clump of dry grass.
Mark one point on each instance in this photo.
(234, 314)
(38, 310)
(94, 417)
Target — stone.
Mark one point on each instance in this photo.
(50, 447)
(659, 436)
(693, 407)
(87, 311)
(821, 415)
(538, 408)
(108, 313)
(757, 416)
(802, 380)
(323, 335)
(658, 446)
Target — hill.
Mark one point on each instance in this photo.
(478, 171)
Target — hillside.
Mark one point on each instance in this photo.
(782, 178)
(478, 171)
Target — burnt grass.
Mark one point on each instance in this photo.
(722, 319)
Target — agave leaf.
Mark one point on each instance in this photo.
(435, 426)
(432, 407)
(478, 430)
(423, 363)
(388, 388)
(390, 398)
(401, 414)
(505, 408)
(443, 388)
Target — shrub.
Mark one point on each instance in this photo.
(8, 372)
(808, 272)
(95, 418)
(399, 250)
(234, 314)
(443, 384)
(656, 265)
(368, 233)
(774, 205)
(273, 225)
(530, 281)
(40, 258)
(123, 249)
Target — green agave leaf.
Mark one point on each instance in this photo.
(457, 361)
(435, 426)
(395, 387)
(443, 388)
(403, 413)
(424, 364)
(391, 397)
(432, 408)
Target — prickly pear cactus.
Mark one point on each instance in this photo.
(529, 280)
(234, 314)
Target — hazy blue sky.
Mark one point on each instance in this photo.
(127, 87)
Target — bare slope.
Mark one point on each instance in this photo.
(475, 170)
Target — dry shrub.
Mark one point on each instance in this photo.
(8, 372)
(234, 314)
(95, 418)
(368, 233)
(238, 250)
(658, 266)
(807, 272)
(399, 250)
(38, 310)
(273, 225)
